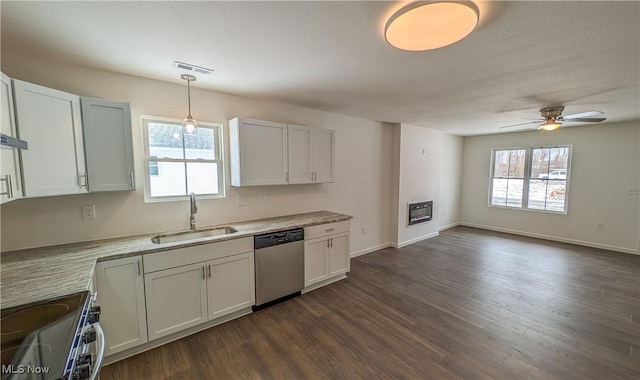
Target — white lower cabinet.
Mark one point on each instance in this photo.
(176, 299)
(120, 288)
(231, 284)
(189, 286)
(326, 252)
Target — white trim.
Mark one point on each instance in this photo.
(415, 240)
(553, 238)
(446, 227)
(370, 249)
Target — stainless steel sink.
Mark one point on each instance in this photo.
(191, 235)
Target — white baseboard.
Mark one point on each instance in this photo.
(370, 249)
(414, 240)
(442, 228)
(553, 238)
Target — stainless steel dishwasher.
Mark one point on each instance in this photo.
(279, 266)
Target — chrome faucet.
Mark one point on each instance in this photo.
(194, 210)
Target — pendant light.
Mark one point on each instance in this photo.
(189, 123)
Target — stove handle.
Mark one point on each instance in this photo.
(100, 343)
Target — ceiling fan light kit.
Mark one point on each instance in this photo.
(428, 25)
(552, 118)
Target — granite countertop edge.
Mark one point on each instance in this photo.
(36, 274)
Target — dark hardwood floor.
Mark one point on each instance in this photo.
(467, 304)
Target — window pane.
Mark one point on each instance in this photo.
(202, 178)
(547, 195)
(165, 140)
(540, 163)
(556, 192)
(514, 192)
(170, 180)
(501, 164)
(499, 194)
(550, 163)
(200, 144)
(516, 163)
(507, 192)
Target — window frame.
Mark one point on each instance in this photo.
(528, 168)
(218, 132)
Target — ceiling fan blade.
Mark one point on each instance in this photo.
(519, 124)
(588, 119)
(582, 115)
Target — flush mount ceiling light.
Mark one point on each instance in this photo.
(189, 123)
(428, 25)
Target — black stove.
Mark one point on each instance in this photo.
(49, 340)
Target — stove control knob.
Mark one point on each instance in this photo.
(86, 358)
(94, 314)
(82, 372)
(90, 335)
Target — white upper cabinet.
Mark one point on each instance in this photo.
(10, 172)
(258, 152)
(49, 120)
(300, 146)
(269, 153)
(323, 155)
(108, 147)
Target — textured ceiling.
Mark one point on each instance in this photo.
(332, 55)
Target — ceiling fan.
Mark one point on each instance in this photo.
(551, 118)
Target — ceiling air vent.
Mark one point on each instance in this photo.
(190, 67)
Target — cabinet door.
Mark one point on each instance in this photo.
(300, 144)
(120, 288)
(230, 284)
(324, 155)
(339, 256)
(107, 142)
(176, 299)
(258, 153)
(316, 260)
(10, 175)
(49, 120)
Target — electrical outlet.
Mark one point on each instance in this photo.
(600, 226)
(89, 212)
(364, 230)
(261, 199)
(241, 201)
(634, 191)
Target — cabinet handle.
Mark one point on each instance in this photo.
(132, 184)
(139, 270)
(209, 270)
(203, 275)
(82, 183)
(286, 176)
(331, 242)
(327, 242)
(329, 229)
(7, 181)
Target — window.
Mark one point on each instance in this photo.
(177, 164)
(530, 178)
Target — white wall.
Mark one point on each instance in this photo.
(361, 188)
(604, 167)
(429, 167)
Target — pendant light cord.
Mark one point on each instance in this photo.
(189, 94)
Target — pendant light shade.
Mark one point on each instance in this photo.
(428, 25)
(189, 123)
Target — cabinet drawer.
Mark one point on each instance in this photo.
(184, 256)
(326, 229)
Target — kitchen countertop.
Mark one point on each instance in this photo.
(36, 274)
